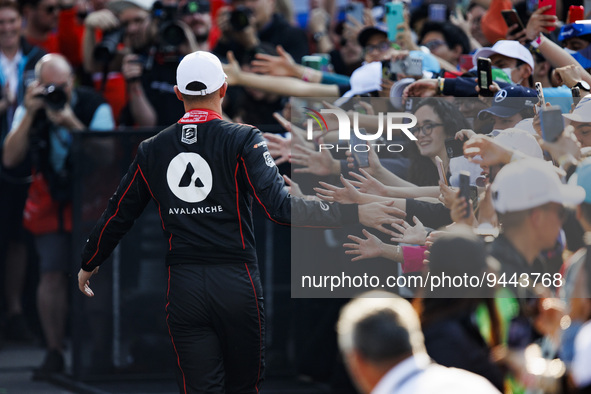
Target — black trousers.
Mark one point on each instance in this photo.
(216, 322)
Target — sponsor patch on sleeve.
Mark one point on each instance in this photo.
(268, 159)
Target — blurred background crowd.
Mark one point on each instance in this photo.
(492, 179)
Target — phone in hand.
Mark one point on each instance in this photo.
(414, 66)
(551, 123)
(360, 149)
(454, 148)
(355, 9)
(551, 11)
(312, 61)
(575, 13)
(512, 18)
(484, 76)
(540, 91)
(465, 189)
(394, 17)
(441, 170)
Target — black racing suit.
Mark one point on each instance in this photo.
(202, 174)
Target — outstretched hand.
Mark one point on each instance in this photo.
(368, 184)
(279, 147)
(319, 163)
(376, 215)
(364, 248)
(414, 235)
(343, 195)
(483, 150)
(293, 188)
(279, 66)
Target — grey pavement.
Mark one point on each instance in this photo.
(16, 367)
(17, 362)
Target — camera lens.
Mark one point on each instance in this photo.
(55, 97)
(239, 18)
(172, 34)
(106, 49)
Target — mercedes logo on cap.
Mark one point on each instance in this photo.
(501, 96)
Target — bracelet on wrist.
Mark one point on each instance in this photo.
(537, 41)
(440, 84)
(307, 74)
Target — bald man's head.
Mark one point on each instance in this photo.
(50, 64)
(54, 69)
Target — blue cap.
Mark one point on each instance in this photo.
(583, 178)
(510, 100)
(577, 29)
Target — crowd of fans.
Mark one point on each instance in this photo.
(72, 65)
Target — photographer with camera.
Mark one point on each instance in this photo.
(142, 41)
(52, 109)
(248, 22)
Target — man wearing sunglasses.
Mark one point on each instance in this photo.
(52, 25)
(195, 13)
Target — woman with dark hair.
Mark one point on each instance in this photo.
(437, 120)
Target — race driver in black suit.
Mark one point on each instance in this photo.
(203, 174)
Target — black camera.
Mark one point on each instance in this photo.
(239, 18)
(169, 31)
(105, 50)
(55, 97)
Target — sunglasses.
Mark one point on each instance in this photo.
(51, 9)
(431, 45)
(194, 7)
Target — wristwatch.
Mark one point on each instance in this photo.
(318, 36)
(583, 85)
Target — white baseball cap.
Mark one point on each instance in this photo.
(509, 48)
(521, 141)
(200, 73)
(117, 6)
(365, 79)
(526, 125)
(530, 183)
(582, 112)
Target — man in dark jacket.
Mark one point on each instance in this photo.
(203, 174)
